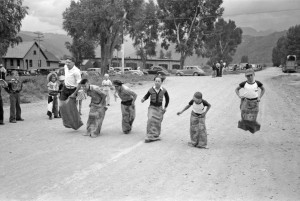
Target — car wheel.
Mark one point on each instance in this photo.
(196, 74)
(177, 74)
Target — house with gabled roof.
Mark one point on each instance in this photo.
(29, 56)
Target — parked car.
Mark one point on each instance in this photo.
(94, 70)
(190, 70)
(158, 70)
(21, 72)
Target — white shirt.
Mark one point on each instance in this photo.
(157, 90)
(198, 108)
(106, 84)
(250, 90)
(72, 77)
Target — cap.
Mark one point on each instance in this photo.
(249, 71)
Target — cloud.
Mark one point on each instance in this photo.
(263, 14)
(49, 11)
(46, 15)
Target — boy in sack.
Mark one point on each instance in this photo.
(198, 132)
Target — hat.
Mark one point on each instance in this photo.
(49, 76)
(117, 82)
(1, 64)
(249, 71)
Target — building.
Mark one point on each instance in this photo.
(169, 64)
(29, 56)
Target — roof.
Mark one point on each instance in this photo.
(51, 57)
(20, 50)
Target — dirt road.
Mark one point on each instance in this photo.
(41, 160)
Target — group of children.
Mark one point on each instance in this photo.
(100, 100)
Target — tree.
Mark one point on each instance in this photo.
(145, 32)
(184, 22)
(222, 43)
(81, 48)
(101, 21)
(161, 54)
(168, 54)
(244, 59)
(293, 41)
(11, 15)
(279, 52)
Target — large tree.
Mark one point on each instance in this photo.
(279, 52)
(185, 22)
(293, 41)
(81, 48)
(222, 43)
(102, 21)
(145, 32)
(11, 15)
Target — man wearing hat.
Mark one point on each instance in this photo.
(250, 96)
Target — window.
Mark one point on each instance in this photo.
(30, 63)
(39, 63)
(148, 66)
(18, 62)
(48, 63)
(11, 62)
(175, 66)
(164, 65)
(34, 52)
(132, 65)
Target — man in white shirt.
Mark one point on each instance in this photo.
(72, 79)
(68, 108)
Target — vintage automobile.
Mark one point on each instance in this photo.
(155, 70)
(290, 64)
(190, 70)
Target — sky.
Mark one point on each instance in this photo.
(278, 15)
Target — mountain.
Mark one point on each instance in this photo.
(256, 45)
(54, 43)
(253, 32)
(257, 48)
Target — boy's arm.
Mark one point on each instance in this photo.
(184, 109)
(237, 91)
(208, 106)
(261, 93)
(146, 97)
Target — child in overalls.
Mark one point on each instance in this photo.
(14, 88)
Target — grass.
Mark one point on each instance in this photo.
(35, 87)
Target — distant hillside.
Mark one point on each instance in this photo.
(253, 32)
(257, 48)
(54, 43)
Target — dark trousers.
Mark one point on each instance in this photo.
(54, 109)
(1, 110)
(15, 109)
(65, 93)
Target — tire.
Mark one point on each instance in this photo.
(195, 74)
(178, 74)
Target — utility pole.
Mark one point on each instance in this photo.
(38, 38)
(123, 51)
